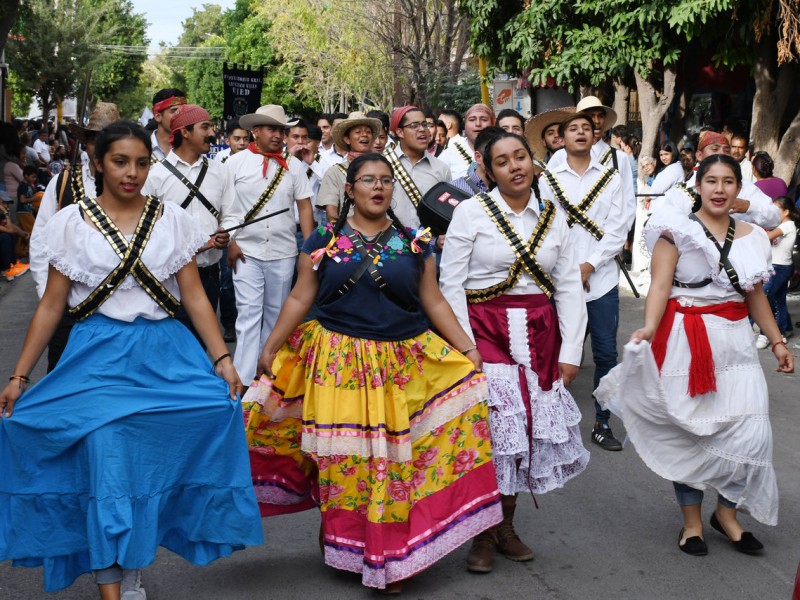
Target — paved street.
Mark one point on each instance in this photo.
(610, 534)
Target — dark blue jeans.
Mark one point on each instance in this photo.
(227, 297)
(7, 254)
(603, 321)
(776, 290)
(689, 496)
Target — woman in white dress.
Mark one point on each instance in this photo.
(523, 308)
(703, 421)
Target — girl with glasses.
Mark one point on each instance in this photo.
(369, 414)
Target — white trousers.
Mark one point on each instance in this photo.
(261, 289)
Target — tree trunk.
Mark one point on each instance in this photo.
(621, 94)
(774, 86)
(654, 104)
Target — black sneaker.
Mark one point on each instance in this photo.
(230, 334)
(602, 436)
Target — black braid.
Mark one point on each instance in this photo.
(343, 212)
(98, 183)
(406, 240)
(535, 188)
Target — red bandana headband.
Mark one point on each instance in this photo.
(167, 103)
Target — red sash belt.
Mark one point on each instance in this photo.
(701, 366)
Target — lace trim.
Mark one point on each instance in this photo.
(352, 559)
(558, 452)
(181, 260)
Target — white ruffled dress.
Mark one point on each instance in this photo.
(721, 440)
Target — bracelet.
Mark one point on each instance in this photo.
(780, 343)
(226, 355)
(22, 378)
(469, 349)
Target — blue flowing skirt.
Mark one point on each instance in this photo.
(131, 443)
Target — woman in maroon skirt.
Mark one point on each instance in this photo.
(513, 281)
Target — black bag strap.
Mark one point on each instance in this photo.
(194, 188)
(367, 264)
(724, 250)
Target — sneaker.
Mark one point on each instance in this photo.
(230, 334)
(603, 437)
(131, 588)
(9, 274)
(762, 342)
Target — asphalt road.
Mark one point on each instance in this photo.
(609, 534)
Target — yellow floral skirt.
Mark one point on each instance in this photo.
(390, 439)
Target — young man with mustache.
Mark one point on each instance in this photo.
(187, 177)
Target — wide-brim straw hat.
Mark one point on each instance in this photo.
(103, 115)
(354, 119)
(534, 129)
(590, 102)
(269, 114)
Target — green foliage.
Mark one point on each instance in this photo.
(459, 96)
(204, 79)
(21, 96)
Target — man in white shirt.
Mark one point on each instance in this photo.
(237, 139)
(199, 185)
(460, 151)
(166, 103)
(263, 254)
(589, 195)
(453, 122)
(411, 155)
(355, 135)
(740, 145)
(752, 205)
(41, 146)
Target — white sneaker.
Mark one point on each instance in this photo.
(762, 342)
(132, 585)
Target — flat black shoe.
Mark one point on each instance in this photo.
(694, 545)
(603, 437)
(748, 544)
(229, 335)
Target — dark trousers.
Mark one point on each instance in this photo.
(209, 277)
(59, 341)
(603, 316)
(8, 256)
(227, 296)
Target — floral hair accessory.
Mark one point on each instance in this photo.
(320, 253)
(420, 235)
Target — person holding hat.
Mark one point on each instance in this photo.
(460, 151)
(166, 103)
(751, 205)
(543, 133)
(200, 186)
(356, 135)
(265, 180)
(415, 169)
(69, 187)
(589, 194)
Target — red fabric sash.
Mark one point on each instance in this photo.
(701, 367)
(277, 156)
(165, 104)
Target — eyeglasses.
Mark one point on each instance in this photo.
(417, 125)
(370, 181)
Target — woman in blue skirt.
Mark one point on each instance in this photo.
(135, 440)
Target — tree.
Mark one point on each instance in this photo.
(8, 17)
(59, 40)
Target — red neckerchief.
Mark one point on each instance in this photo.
(277, 156)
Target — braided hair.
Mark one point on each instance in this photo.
(489, 151)
(352, 173)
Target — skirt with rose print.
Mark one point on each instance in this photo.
(390, 439)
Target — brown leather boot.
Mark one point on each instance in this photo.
(508, 542)
(481, 554)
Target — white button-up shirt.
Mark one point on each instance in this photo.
(425, 173)
(609, 211)
(215, 186)
(454, 159)
(274, 238)
(477, 256)
(48, 207)
(158, 153)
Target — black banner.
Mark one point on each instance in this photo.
(242, 89)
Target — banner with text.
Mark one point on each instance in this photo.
(242, 89)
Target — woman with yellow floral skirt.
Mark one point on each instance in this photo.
(364, 410)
